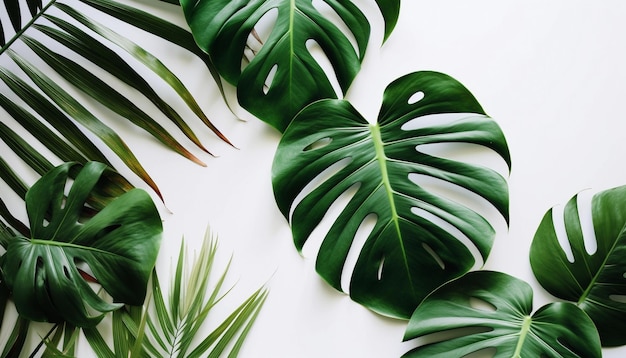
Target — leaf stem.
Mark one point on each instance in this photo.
(522, 337)
(26, 27)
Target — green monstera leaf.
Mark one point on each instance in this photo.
(283, 76)
(595, 281)
(491, 311)
(411, 249)
(119, 245)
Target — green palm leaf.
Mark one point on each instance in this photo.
(49, 105)
(283, 77)
(409, 252)
(119, 244)
(593, 280)
(169, 327)
(492, 311)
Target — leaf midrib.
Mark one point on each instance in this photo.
(73, 246)
(381, 157)
(602, 266)
(292, 11)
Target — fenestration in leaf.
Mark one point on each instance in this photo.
(494, 312)
(222, 28)
(119, 245)
(407, 254)
(595, 281)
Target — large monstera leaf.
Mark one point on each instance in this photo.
(409, 252)
(491, 311)
(595, 281)
(284, 76)
(119, 245)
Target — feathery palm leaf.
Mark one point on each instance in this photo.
(169, 328)
(63, 49)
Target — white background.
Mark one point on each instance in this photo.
(551, 73)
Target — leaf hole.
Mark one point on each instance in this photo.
(329, 13)
(438, 119)
(467, 153)
(66, 272)
(360, 238)
(561, 235)
(320, 143)
(618, 298)
(452, 230)
(259, 36)
(481, 305)
(416, 97)
(434, 255)
(322, 60)
(451, 334)
(483, 353)
(583, 202)
(312, 246)
(318, 180)
(270, 79)
(380, 268)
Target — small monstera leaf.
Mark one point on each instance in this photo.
(284, 76)
(492, 311)
(595, 281)
(409, 252)
(119, 245)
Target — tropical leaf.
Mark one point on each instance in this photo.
(390, 10)
(491, 311)
(65, 25)
(283, 76)
(409, 252)
(594, 280)
(171, 327)
(119, 245)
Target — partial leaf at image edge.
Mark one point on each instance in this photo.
(222, 28)
(38, 104)
(408, 253)
(390, 10)
(493, 311)
(594, 281)
(119, 244)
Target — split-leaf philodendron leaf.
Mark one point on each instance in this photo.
(492, 311)
(119, 245)
(595, 281)
(410, 251)
(223, 27)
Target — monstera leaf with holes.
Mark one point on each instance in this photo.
(119, 246)
(595, 281)
(223, 28)
(494, 310)
(411, 250)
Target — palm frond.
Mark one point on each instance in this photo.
(62, 50)
(169, 328)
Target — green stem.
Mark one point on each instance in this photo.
(26, 27)
(522, 336)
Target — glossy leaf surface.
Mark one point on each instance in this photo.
(65, 30)
(390, 10)
(410, 251)
(224, 27)
(493, 311)
(594, 280)
(119, 245)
